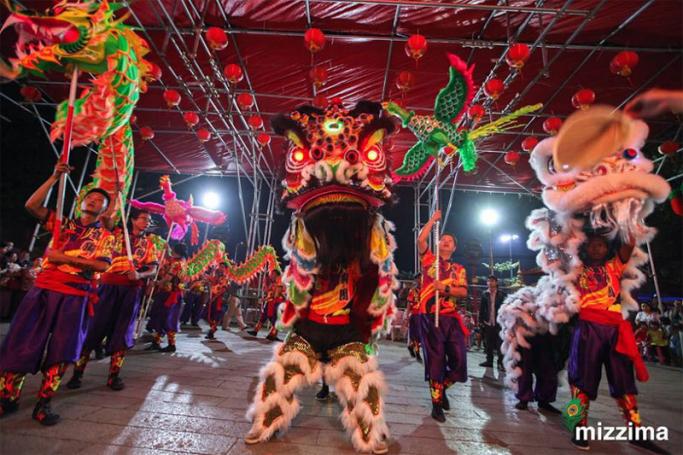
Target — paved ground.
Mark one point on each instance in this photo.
(194, 401)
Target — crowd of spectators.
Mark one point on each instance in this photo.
(659, 334)
(17, 273)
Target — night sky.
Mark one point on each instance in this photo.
(26, 159)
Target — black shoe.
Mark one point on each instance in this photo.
(323, 394)
(581, 444)
(7, 407)
(437, 413)
(649, 445)
(273, 338)
(418, 357)
(75, 381)
(252, 332)
(548, 407)
(153, 347)
(195, 325)
(169, 348)
(210, 336)
(486, 364)
(522, 405)
(43, 413)
(445, 404)
(116, 383)
(411, 351)
(501, 367)
(99, 353)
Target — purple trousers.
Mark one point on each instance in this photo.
(164, 319)
(115, 316)
(444, 349)
(594, 345)
(413, 329)
(538, 361)
(212, 313)
(45, 320)
(192, 310)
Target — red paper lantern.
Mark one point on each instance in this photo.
(314, 38)
(203, 135)
(31, 94)
(583, 98)
(676, 201)
(146, 133)
(669, 147)
(493, 88)
(512, 157)
(217, 38)
(552, 125)
(476, 112)
(153, 71)
(517, 55)
(233, 73)
(405, 81)
(191, 118)
(245, 101)
(416, 46)
(529, 143)
(321, 101)
(172, 98)
(263, 139)
(623, 63)
(318, 75)
(255, 121)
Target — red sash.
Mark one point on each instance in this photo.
(173, 298)
(626, 341)
(58, 281)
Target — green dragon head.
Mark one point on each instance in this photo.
(68, 34)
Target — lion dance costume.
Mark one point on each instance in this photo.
(614, 196)
(341, 274)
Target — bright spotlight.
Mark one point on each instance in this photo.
(211, 200)
(505, 238)
(489, 217)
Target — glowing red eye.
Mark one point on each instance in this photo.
(298, 156)
(71, 35)
(630, 154)
(601, 170)
(372, 155)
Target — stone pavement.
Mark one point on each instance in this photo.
(194, 401)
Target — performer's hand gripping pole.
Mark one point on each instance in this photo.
(64, 158)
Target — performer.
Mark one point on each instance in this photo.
(216, 307)
(234, 310)
(274, 297)
(341, 274)
(413, 320)
(491, 300)
(168, 299)
(196, 298)
(538, 360)
(603, 337)
(120, 295)
(445, 347)
(54, 314)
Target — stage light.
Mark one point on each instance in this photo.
(489, 217)
(505, 238)
(211, 200)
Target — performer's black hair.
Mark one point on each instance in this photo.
(180, 249)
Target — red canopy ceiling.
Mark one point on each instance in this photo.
(573, 43)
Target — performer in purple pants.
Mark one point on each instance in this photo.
(120, 296)
(168, 299)
(55, 312)
(538, 361)
(444, 347)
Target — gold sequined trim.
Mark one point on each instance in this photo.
(355, 349)
(364, 428)
(291, 371)
(296, 343)
(354, 377)
(372, 399)
(268, 387)
(271, 415)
